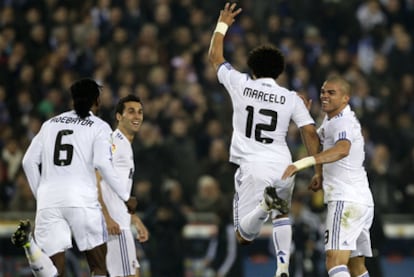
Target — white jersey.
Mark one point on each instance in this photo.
(345, 179)
(262, 111)
(123, 162)
(67, 150)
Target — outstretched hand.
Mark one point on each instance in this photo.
(228, 14)
(289, 171)
(307, 102)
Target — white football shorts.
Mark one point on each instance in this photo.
(347, 227)
(55, 227)
(250, 182)
(121, 258)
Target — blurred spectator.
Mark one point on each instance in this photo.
(223, 254)
(370, 15)
(4, 112)
(157, 49)
(165, 250)
(6, 187)
(182, 151)
(383, 183)
(216, 164)
(406, 182)
(12, 155)
(209, 198)
(22, 199)
(308, 240)
(152, 160)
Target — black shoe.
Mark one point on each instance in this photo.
(274, 202)
(21, 235)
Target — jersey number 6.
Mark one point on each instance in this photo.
(65, 148)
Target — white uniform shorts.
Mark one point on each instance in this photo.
(55, 227)
(347, 227)
(121, 258)
(250, 182)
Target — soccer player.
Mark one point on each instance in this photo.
(122, 257)
(345, 183)
(60, 166)
(262, 111)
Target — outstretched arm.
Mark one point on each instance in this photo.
(337, 152)
(226, 19)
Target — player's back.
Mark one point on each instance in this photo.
(263, 111)
(70, 148)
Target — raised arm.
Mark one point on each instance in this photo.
(226, 19)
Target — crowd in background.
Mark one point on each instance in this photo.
(157, 50)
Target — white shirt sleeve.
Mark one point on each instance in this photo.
(301, 115)
(103, 162)
(31, 163)
(231, 78)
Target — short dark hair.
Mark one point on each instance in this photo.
(120, 106)
(266, 61)
(85, 93)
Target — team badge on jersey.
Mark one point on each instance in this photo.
(113, 148)
(322, 133)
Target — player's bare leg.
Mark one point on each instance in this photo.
(336, 263)
(96, 258)
(59, 260)
(40, 264)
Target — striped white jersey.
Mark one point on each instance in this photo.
(61, 160)
(345, 179)
(262, 112)
(123, 162)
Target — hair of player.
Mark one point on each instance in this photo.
(85, 93)
(120, 106)
(266, 61)
(343, 83)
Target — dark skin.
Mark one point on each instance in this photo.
(95, 257)
(216, 58)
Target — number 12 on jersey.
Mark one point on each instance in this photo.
(258, 128)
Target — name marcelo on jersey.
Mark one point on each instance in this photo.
(264, 96)
(72, 120)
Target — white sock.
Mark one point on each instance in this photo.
(40, 263)
(282, 241)
(251, 224)
(366, 274)
(339, 271)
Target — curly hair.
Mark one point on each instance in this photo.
(85, 93)
(266, 61)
